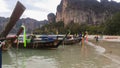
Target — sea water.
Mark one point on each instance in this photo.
(65, 56)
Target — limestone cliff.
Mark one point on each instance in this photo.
(51, 17)
(86, 11)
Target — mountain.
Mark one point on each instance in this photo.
(51, 17)
(86, 11)
(29, 23)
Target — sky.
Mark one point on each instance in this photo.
(36, 9)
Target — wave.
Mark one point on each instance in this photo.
(101, 50)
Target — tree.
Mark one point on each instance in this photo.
(112, 26)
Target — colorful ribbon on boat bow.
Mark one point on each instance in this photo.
(24, 36)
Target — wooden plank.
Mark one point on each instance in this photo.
(18, 11)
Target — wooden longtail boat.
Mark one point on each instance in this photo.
(70, 40)
(16, 14)
(42, 42)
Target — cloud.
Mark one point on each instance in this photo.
(3, 7)
(43, 5)
(117, 0)
(37, 9)
(113, 0)
(38, 15)
(40, 8)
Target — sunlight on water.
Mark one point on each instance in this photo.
(38, 62)
(98, 48)
(69, 56)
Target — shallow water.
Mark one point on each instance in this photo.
(69, 56)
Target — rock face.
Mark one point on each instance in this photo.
(86, 11)
(51, 17)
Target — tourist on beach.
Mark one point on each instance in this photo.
(96, 37)
(86, 36)
(80, 35)
(82, 41)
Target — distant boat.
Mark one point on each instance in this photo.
(70, 40)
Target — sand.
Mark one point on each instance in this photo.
(112, 49)
(110, 43)
(110, 46)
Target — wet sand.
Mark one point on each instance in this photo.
(112, 49)
(110, 46)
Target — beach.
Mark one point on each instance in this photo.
(109, 46)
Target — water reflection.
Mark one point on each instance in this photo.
(8, 58)
(71, 56)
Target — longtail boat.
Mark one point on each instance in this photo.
(16, 14)
(70, 40)
(41, 42)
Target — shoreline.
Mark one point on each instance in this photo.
(106, 38)
(109, 49)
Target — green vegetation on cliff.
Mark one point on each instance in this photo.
(75, 28)
(110, 27)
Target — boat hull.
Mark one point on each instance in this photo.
(48, 44)
(71, 42)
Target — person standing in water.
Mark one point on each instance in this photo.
(96, 38)
(83, 39)
(86, 36)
